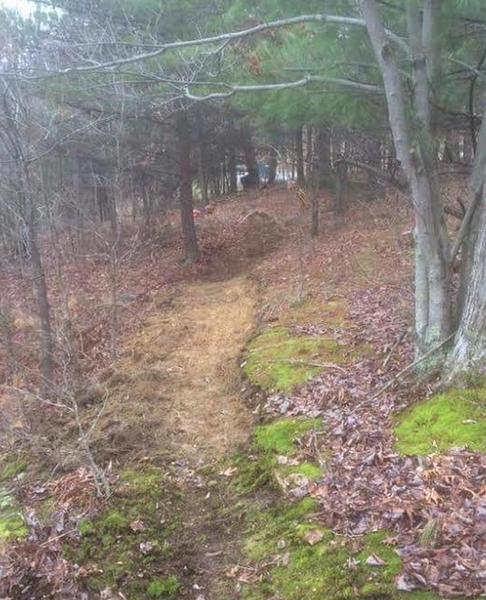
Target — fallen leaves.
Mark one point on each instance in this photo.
(435, 504)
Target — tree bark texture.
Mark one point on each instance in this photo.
(469, 350)
(299, 156)
(252, 179)
(417, 154)
(191, 247)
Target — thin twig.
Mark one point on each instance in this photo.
(410, 367)
(403, 372)
(58, 537)
(393, 348)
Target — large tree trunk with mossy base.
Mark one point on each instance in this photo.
(468, 355)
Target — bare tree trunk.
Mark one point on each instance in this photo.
(341, 196)
(468, 354)
(253, 177)
(201, 166)
(309, 150)
(191, 247)
(40, 289)
(272, 166)
(299, 155)
(12, 105)
(419, 160)
(323, 155)
(146, 205)
(7, 338)
(314, 192)
(315, 211)
(469, 351)
(233, 175)
(231, 152)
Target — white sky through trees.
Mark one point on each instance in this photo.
(23, 7)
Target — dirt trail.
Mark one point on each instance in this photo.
(216, 319)
(179, 376)
(175, 401)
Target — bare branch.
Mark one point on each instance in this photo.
(235, 89)
(229, 37)
(470, 68)
(400, 186)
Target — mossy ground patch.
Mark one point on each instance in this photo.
(272, 442)
(454, 419)
(129, 542)
(12, 525)
(276, 360)
(280, 436)
(335, 568)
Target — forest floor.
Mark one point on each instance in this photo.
(249, 447)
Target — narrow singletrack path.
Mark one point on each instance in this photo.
(181, 380)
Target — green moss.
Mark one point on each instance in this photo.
(309, 470)
(334, 568)
(163, 588)
(112, 540)
(253, 472)
(453, 419)
(12, 525)
(375, 581)
(276, 360)
(280, 436)
(12, 469)
(268, 529)
(86, 528)
(115, 521)
(260, 466)
(331, 570)
(45, 509)
(143, 482)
